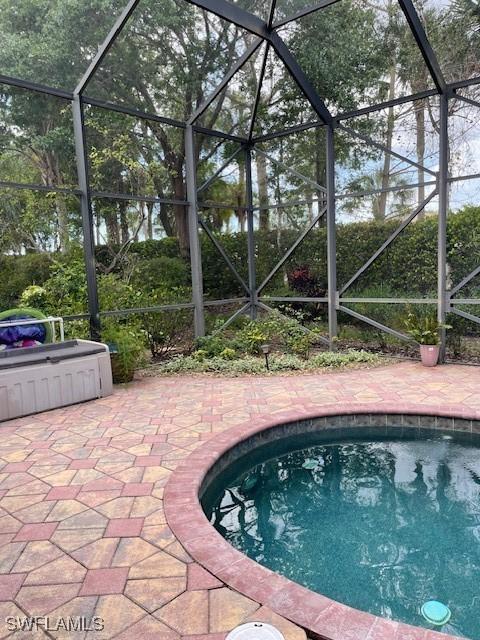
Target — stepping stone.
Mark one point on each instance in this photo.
(35, 555)
(40, 600)
(155, 592)
(97, 554)
(160, 565)
(187, 614)
(229, 609)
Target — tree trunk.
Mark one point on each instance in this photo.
(261, 163)
(381, 213)
(111, 223)
(124, 222)
(62, 216)
(150, 220)
(241, 197)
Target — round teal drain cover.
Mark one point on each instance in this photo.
(436, 613)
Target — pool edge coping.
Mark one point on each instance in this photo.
(320, 616)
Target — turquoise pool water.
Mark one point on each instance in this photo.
(383, 526)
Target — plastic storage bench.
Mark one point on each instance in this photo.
(52, 375)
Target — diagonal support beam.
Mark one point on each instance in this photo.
(389, 241)
(318, 187)
(464, 314)
(258, 94)
(474, 103)
(305, 330)
(224, 83)
(107, 44)
(424, 45)
(465, 281)
(236, 315)
(219, 171)
(235, 14)
(382, 147)
(223, 253)
(300, 78)
(271, 13)
(322, 4)
(374, 323)
(294, 246)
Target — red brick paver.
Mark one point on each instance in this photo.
(82, 524)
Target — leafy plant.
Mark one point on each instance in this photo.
(34, 296)
(199, 363)
(166, 330)
(126, 349)
(424, 329)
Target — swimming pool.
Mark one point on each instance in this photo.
(377, 522)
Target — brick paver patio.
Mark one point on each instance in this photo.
(82, 526)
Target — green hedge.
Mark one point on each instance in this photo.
(408, 267)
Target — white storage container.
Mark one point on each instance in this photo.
(53, 375)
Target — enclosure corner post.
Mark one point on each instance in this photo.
(87, 217)
(442, 222)
(194, 238)
(252, 276)
(331, 236)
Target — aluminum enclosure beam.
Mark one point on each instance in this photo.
(35, 86)
(465, 315)
(226, 80)
(424, 45)
(300, 78)
(331, 237)
(292, 249)
(282, 165)
(87, 218)
(252, 272)
(258, 93)
(374, 323)
(234, 14)
(232, 318)
(388, 241)
(106, 46)
(443, 297)
(321, 4)
(385, 149)
(223, 253)
(305, 330)
(465, 281)
(219, 171)
(195, 250)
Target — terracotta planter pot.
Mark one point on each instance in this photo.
(429, 354)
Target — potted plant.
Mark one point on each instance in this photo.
(426, 331)
(126, 351)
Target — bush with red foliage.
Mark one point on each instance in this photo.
(302, 280)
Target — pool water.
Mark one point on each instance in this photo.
(382, 526)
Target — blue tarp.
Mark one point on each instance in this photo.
(11, 335)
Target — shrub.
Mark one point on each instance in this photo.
(255, 365)
(166, 329)
(127, 348)
(162, 272)
(302, 280)
(19, 272)
(332, 360)
(35, 297)
(213, 345)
